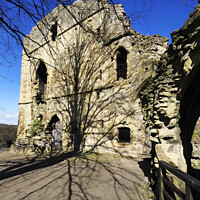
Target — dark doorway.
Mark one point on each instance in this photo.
(55, 129)
(124, 134)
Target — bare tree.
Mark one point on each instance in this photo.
(17, 17)
(84, 76)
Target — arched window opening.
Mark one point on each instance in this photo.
(124, 134)
(54, 128)
(54, 31)
(41, 76)
(121, 63)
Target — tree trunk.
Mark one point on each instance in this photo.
(77, 141)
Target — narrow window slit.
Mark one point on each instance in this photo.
(54, 31)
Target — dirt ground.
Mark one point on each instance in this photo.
(65, 176)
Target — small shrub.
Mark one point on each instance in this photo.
(36, 127)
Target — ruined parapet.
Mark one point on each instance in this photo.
(91, 15)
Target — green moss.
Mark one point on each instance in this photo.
(196, 133)
(196, 137)
(152, 196)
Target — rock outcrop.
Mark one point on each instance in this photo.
(170, 100)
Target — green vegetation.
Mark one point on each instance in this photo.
(196, 133)
(36, 127)
(196, 137)
(7, 133)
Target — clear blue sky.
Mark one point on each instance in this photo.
(158, 17)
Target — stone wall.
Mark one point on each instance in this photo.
(71, 75)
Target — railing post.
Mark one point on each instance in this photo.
(160, 184)
(188, 194)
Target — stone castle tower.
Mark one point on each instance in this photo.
(83, 67)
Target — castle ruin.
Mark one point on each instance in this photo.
(83, 67)
(90, 82)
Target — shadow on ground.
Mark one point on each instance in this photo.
(72, 176)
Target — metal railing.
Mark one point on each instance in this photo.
(190, 183)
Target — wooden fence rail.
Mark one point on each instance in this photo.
(190, 183)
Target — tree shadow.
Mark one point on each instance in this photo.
(75, 176)
(34, 163)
